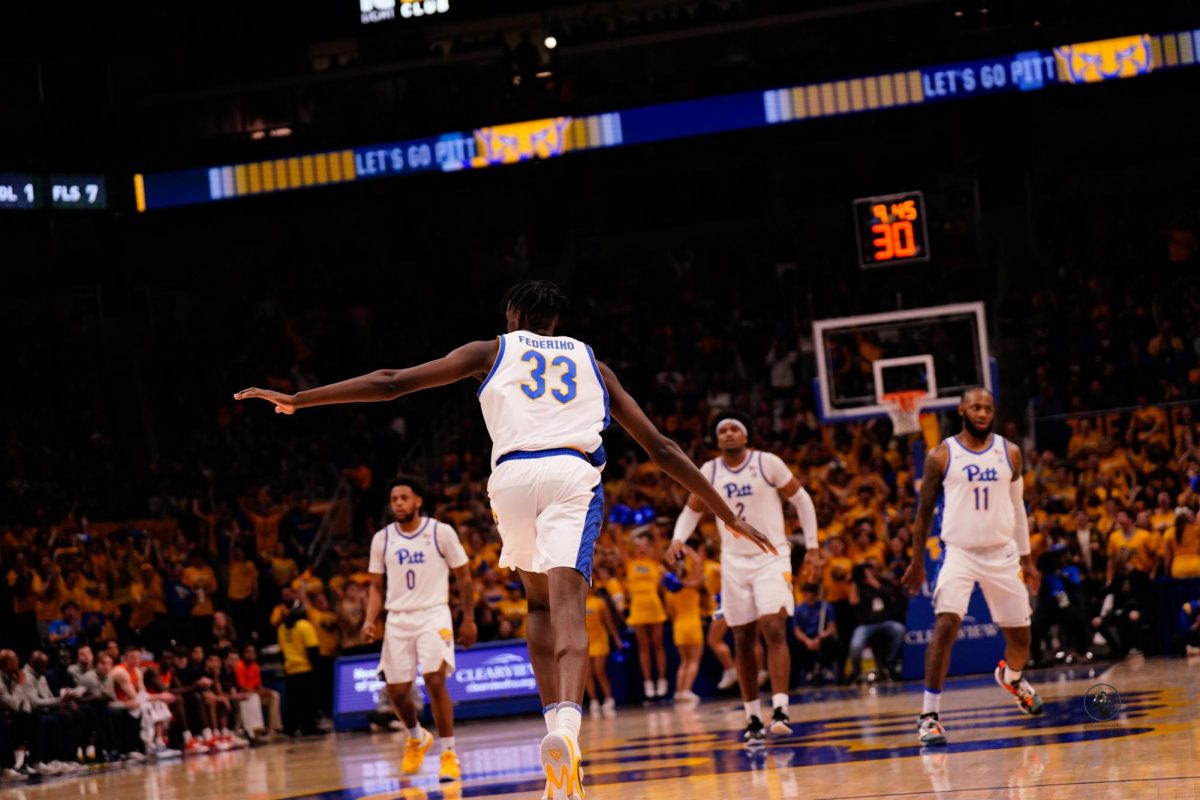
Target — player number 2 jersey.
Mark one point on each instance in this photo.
(752, 491)
(544, 393)
(417, 565)
(977, 509)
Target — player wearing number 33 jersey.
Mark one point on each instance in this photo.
(545, 399)
(545, 405)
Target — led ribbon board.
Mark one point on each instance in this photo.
(1068, 65)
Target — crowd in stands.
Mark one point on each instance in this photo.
(143, 638)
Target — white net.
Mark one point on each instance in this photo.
(904, 408)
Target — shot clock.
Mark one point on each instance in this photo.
(891, 229)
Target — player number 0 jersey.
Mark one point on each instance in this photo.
(417, 565)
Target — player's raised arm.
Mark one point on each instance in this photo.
(931, 485)
(672, 460)
(381, 385)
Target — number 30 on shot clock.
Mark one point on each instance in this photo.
(891, 229)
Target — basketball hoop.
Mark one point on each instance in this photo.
(904, 408)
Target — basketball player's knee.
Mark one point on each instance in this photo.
(398, 692)
(1019, 637)
(946, 628)
(744, 636)
(435, 681)
(774, 629)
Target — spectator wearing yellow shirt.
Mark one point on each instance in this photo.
(347, 576)
(865, 545)
(79, 586)
(1085, 440)
(611, 584)
(265, 517)
(283, 567)
(53, 595)
(307, 583)
(514, 608)
(325, 622)
(103, 604)
(1163, 517)
(24, 586)
(200, 578)
(1181, 546)
(687, 626)
(300, 649)
(838, 577)
(643, 574)
(288, 598)
(484, 555)
(1132, 545)
(124, 568)
(717, 627)
(600, 626)
(1114, 464)
(242, 590)
(149, 602)
(1148, 423)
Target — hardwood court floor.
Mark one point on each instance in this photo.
(847, 744)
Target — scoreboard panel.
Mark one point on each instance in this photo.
(891, 229)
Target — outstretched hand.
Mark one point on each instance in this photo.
(284, 403)
(745, 530)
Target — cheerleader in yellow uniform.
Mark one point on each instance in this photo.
(717, 628)
(643, 578)
(685, 584)
(600, 626)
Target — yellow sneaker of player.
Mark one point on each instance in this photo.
(414, 753)
(561, 762)
(450, 770)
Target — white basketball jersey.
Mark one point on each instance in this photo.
(752, 491)
(544, 393)
(417, 565)
(977, 509)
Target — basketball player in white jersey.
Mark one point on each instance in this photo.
(756, 587)
(414, 557)
(545, 401)
(985, 540)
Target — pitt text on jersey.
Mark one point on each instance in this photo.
(976, 473)
(403, 556)
(733, 490)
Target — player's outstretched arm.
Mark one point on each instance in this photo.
(387, 384)
(931, 485)
(672, 460)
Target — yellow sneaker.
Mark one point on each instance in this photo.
(414, 753)
(561, 762)
(450, 770)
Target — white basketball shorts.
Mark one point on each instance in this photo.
(411, 638)
(756, 586)
(997, 570)
(549, 511)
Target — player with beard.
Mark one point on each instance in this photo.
(411, 562)
(977, 478)
(756, 587)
